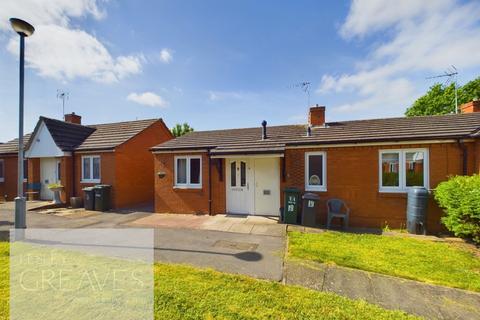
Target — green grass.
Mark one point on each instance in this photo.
(183, 292)
(433, 262)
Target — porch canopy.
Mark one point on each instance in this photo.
(253, 149)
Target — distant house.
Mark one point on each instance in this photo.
(78, 156)
(9, 168)
(368, 163)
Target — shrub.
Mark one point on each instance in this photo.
(460, 197)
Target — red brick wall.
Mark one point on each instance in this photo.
(8, 188)
(107, 172)
(173, 200)
(353, 175)
(134, 166)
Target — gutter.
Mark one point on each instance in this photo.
(209, 183)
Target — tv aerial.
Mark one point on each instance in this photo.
(305, 86)
(62, 95)
(451, 75)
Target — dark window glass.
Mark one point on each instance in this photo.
(315, 170)
(194, 171)
(2, 170)
(233, 174)
(243, 174)
(25, 169)
(390, 169)
(59, 171)
(414, 162)
(96, 168)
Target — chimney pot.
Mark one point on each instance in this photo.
(264, 130)
(73, 118)
(316, 116)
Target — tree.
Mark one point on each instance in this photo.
(181, 129)
(440, 99)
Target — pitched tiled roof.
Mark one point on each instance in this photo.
(110, 135)
(67, 136)
(376, 130)
(12, 146)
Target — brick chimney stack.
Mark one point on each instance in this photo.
(73, 118)
(470, 107)
(316, 116)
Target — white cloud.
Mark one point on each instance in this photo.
(56, 50)
(166, 55)
(148, 99)
(426, 38)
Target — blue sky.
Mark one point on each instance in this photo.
(223, 64)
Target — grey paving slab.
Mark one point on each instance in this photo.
(200, 248)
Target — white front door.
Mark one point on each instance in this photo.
(267, 186)
(239, 195)
(48, 175)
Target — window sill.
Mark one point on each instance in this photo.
(187, 187)
(319, 189)
(89, 181)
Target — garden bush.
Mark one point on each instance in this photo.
(460, 197)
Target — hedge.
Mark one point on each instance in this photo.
(460, 198)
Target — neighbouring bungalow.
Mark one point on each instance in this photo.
(370, 164)
(77, 156)
(9, 169)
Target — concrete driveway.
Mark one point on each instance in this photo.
(257, 250)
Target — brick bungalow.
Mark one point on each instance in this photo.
(78, 156)
(368, 163)
(9, 169)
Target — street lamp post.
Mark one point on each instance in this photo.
(24, 29)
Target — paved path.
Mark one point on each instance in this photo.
(429, 301)
(255, 255)
(255, 225)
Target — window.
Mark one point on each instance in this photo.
(25, 169)
(233, 174)
(315, 171)
(188, 172)
(2, 170)
(238, 172)
(91, 169)
(243, 174)
(59, 171)
(403, 169)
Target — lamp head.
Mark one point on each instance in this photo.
(22, 27)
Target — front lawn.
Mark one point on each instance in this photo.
(433, 262)
(183, 292)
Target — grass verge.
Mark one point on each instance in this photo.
(432, 262)
(183, 292)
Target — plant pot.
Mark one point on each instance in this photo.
(56, 195)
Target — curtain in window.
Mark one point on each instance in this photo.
(182, 171)
(96, 168)
(86, 168)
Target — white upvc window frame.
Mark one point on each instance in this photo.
(91, 180)
(323, 186)
(402, 188)
(187, 185)
(2, 178)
